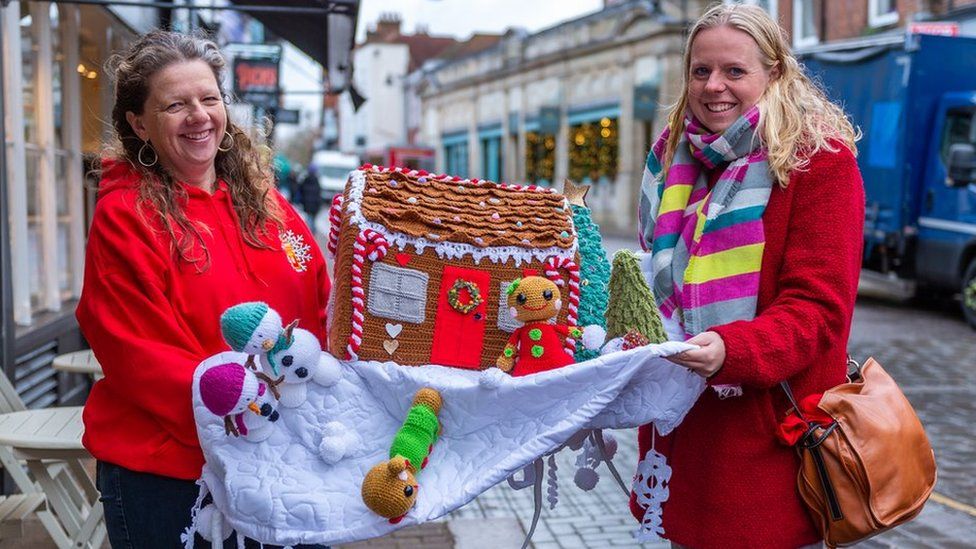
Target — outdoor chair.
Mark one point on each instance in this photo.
(41, 451)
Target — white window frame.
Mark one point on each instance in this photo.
(772, 6)
(878, 19)
(13, 97)
(800, 41)
(48, 250)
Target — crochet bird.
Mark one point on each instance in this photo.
(390, 488)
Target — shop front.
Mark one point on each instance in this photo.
(56, 113)
(56, 102)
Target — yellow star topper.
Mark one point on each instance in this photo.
(575, 193)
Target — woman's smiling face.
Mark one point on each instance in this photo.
(726, 76)
(184, 120)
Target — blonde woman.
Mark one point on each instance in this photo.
(752, 207)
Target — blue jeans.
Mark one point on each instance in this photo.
(146, 511)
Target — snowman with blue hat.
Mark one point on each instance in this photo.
(255, 328)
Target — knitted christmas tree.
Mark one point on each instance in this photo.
(632, 304)
(594, 267)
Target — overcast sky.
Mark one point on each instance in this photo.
(461, 18)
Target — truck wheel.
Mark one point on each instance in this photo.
(969, 294)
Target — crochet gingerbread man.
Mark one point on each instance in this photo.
(537, 346)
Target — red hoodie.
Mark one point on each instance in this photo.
(150, 318)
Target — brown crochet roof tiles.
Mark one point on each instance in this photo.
(481, 214)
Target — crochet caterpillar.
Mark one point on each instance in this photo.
(390, 488)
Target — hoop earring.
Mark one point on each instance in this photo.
(229, 147)
(155, 157)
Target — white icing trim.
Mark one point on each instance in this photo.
(449, 250)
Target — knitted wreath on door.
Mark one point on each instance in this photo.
(454, 296)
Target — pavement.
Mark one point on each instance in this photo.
(927, 348)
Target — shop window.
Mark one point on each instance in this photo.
(397, 293)
(882, 13)
(491, 158)
(540, 158)
(456, 159)
(45, 169)
(805, 23)
(593, 148)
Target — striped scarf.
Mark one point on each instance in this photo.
(706, 245)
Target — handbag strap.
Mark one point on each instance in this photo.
(811, 443)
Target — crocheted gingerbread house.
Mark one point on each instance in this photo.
(422, 264)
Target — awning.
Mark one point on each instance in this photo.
(324, 29)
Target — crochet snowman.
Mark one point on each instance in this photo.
(255, 328)
(230, 390)
(301, 362)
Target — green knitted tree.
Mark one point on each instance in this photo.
(594, 276)
(631, 301)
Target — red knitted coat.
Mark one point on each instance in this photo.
(733, 484)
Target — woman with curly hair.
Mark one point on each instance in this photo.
(187, 224)
(752, 207)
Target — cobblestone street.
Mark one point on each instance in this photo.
(929, 351)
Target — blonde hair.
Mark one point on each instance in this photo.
(796, 119)
(242, 167)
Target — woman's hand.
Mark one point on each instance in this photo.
(707, 359)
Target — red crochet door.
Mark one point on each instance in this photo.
(458, 335)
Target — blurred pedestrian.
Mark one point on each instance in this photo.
(311, 195)
(752, 207)
(282, 169)
(187, 224)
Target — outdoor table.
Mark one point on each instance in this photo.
(38, 436)
(79, 362)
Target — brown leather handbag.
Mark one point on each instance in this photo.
(872, 467)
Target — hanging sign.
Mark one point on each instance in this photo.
(645, 101)
(549, 120)
(256, 81)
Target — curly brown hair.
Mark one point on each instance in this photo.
(243, 167)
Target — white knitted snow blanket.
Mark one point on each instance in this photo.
(301, 484)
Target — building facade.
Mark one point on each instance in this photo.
(814, 22)
(578, 100)
(584, 99)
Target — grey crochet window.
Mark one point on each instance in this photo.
(505, 321)
(397, 293)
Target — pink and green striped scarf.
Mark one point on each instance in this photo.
(707, 245)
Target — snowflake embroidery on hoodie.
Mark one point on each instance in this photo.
(296, 250)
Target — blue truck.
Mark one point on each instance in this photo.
(914, 98)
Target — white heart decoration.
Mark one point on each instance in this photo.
(394, 329)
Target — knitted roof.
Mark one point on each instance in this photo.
(474, 212)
